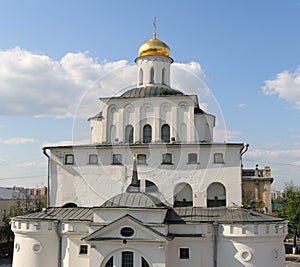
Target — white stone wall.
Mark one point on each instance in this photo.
(176, 111)
(91, 185)
(34, 244)
(158, 63)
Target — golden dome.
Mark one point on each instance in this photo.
(154, 47)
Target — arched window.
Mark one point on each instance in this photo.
(216, 195)
(70, 205)
(69, 159)
(183, 195)
(163, 76)
(141, 77)
(110, 262)
(151, 187)
(129, 134)
(147, 133)
(151, 75)
(127, 259)
(165, 133)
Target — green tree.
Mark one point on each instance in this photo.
(23, 206)
(291, 208)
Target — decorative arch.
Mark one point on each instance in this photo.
(151, 187)
(183, 195)
(129, 134)
(125, 258)
(216, 195)
(70, 205)
(183, 132)
(112, 136)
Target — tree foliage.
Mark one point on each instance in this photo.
(23, 206)
(291, 205)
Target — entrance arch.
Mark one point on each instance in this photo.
(183, 195)
(125, 258)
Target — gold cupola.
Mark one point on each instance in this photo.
(154, 47)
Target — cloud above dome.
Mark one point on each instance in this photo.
(33, 84)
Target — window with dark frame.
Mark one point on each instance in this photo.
(184, 253)
(93, 159)
(83, 249)
(165, 133)
(127, 259)
(69, 159)
(167, 158)
(117, 159)
(218, 158)
(141, 159)
(192, 158)
(147, 133)
(127, 232)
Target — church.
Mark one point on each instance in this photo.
(151, 189)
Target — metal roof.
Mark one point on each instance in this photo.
(221, 214)
(150, 91)
(66, 214)
(174, 215)
(134, 200)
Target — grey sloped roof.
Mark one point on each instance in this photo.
(174, 216)
(221, 214)
(151, 91)
(133, 200)
(66, 214)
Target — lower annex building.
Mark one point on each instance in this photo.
(152, 188)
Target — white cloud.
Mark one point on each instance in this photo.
(18, 141)
(242, 105)
(36, 85)
(286, 85)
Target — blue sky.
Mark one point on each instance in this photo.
(247, 52)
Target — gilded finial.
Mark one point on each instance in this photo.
(154, 28)
(134, 156)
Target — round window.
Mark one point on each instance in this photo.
(127, 232)
(17, 246)
(37, 247)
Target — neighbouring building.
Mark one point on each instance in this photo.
(256, 188)
(152, 188)
(8, 199)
